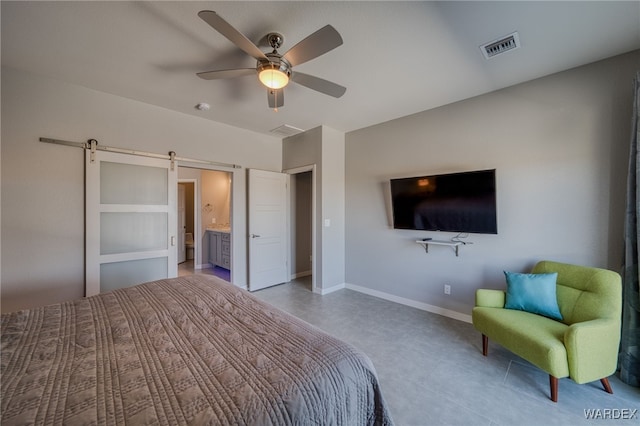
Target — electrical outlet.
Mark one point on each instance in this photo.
(447, 289)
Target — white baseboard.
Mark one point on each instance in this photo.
(300, 274)
(323, 291)
(408, 302)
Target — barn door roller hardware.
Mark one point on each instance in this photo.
(93, 145)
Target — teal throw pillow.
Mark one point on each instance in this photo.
(535, 293)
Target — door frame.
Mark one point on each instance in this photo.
(196, 219)
(314, 252)
(181, 204)
(235, 218)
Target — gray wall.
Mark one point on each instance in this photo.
(324, 148)
(333, 208)
(42, 230)
(559, 145)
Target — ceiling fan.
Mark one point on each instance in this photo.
(275, 70)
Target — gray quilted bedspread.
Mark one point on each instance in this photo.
(188, 350)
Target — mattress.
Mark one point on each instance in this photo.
(188, 350)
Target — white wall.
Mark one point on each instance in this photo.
(559, 145)
(43, 185)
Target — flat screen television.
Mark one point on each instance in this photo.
(455, 202)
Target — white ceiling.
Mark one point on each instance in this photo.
(398, 58)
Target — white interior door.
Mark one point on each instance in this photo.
(267, 229)
(130, 220)
(182, 248)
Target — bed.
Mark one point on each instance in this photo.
(188, 350)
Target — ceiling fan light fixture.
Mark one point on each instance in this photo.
(273, 78)
(273, 69)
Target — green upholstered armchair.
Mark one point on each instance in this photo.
(582, 346)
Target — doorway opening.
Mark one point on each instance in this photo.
(205, 233)
(302, 233)
(186, 220)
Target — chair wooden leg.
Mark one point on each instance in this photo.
(606, 385)
(553, 384)
(485, 345)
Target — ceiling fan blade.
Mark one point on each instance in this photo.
(216, 75)
(318, 43)
(235, 36)
(321, 85)
(275, 97)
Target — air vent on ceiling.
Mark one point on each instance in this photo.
(503, 44)
(285, 130)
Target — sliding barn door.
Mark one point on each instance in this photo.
(131, 220)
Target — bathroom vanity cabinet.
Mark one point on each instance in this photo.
(220, 247)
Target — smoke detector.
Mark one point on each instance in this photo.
(501, 45)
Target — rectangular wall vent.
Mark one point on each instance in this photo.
(285, 130)
(503, 44)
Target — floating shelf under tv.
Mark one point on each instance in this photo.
(454, 244)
